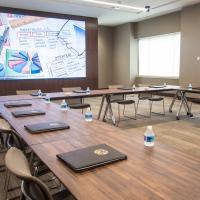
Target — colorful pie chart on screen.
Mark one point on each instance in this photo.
(1, 67)
(23, 62)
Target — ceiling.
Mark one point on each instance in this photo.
(107, 15)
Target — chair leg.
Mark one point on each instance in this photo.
(119, 114)
(151, 103)
(124, 109)
(137, 106)
(22, 197)
(135, 111)
(163, 107)
(191, 107)
(7, 181)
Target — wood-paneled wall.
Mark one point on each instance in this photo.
(8, 87)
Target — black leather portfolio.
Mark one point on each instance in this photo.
(26, 113)
(46, 127)
(157, 86)
(35, 94)
(17, 104)
(91, 157)
(125, 88)
(79, 91)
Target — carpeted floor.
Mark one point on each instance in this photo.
(183, 134)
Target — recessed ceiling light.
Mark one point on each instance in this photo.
(117, 5)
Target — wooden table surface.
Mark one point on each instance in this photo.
(161, 172)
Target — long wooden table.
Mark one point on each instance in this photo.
(106, 96)
(107, 93)
(158, 173)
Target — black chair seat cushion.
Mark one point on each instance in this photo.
(79, 106)
(126, 102)
(197, 101)
(156, 98)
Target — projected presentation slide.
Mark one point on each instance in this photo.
(33, 47)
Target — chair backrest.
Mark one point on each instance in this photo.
(17, 163)
(14, 140)
(4, 125)
(32, 187)
(116, 97)
(72, 101)
(22, 92)
(145, 95)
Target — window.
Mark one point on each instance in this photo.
(160, 55)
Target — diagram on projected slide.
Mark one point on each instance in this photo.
(39, 47)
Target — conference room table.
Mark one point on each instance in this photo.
(106, 95)
(180, 93)
(161, 172)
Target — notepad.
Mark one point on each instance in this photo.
(125, 88)
(91, 157)
(35, 94)
(46, 127)
(25, 113)
(157, 86)
(17, 104)
(79, 91)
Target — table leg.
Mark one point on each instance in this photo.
(109, 108)
(173, 101)
(186, 106)
(101, 107)
(180, 107)
(105, 112)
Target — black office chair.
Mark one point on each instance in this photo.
(146, 96)
(121, 100)
(77, 103)
(31, 187)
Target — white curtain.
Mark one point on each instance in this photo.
(160, 55)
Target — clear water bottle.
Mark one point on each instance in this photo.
(165, 84)
(88, 115)
(47, 99)
(39, 93)
(190, 86)
(88, 90)
(63, 105)
(149, 137)
(133, 87)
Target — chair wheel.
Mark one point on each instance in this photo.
(170, 111)
(177, 118)
(191, 115)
